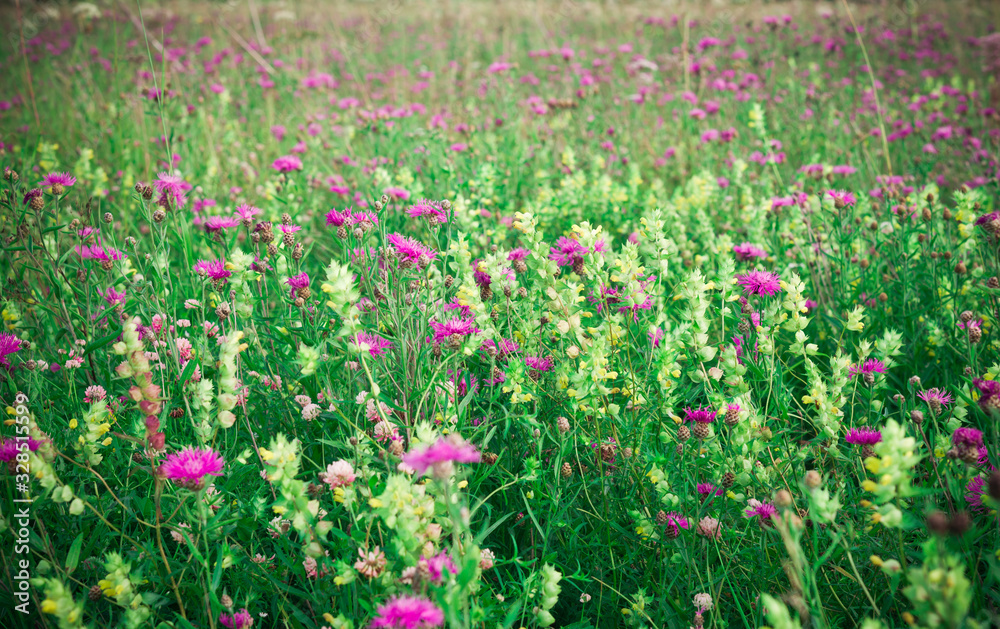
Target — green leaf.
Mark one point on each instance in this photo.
(188, 370)
(104, 340)
(73, 557)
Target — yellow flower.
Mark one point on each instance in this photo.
(73, 423)
(49, 606)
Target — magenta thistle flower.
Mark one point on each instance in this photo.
(408, 612)
(431, 210)
(502, 349)
(219, 223)
(747, 251)
(337, 217)
(675, 522)
(58, 182)
(247, 212)
(700, 415)
(412, 252)
(287, 163)
(98, 252)
(375, 345)
(518, 254)
(443, 331)
(438, 565)
(8, 345)
(870, 366)
(189, 467)
(239, 620)
(440, 455)
(764, 511)
(863, 436)
(968, 437)
(34, 193)
(707, 490)
(975, 491)
(215, 269)
(842, 199)
(297, 282)
(539, 363)
(567, 252)
(10, 448)
(172, 189)
(989, 396)
(759, 283)
(935, 398)
(397, 193)
(112, 296)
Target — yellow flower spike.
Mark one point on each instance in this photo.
(865, 503)
(876, 518)
(278, 510)
(11, 411)
(875, 559)
(49, 606)
(375, 503)
(73, 423)
(868, 485)
(873, 464)
(463, 484)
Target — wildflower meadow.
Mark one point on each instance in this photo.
(500, 315)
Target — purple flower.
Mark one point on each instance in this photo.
(58, 182)
(247, 212)
(759, 283)
(397, 193)
(870, 366)
(408, 612)
(707, 490)
(218, 223)
(700, 415)
(863, 436)
(215, 269)
(935, 398)
(440, 455)
(239, 620)
(287, 163)
(967, 437)
(11, 447)
(97, 252)
(34, 193)
(538, 363)
(675, 522)
(412, 252)
(376, 345)
(298, 281)
(989, 396)
(443, 331)
(172, 189)
(842, 199)
(568, 252)
(975, 490)
(431, 210)
(112, 296)
(502, 349)
(189, 467)
(747, 251)
(763, 510)
(8, 345)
